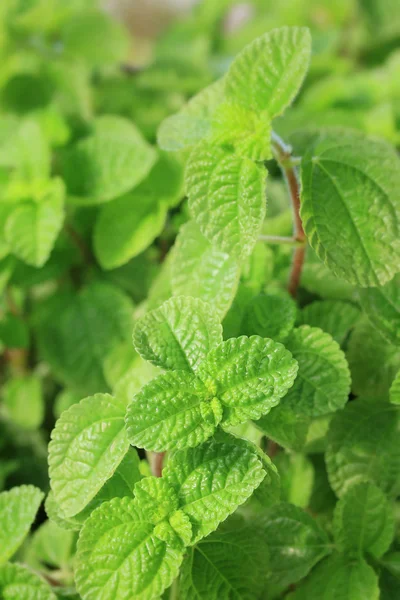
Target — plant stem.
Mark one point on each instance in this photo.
(283, 156)
(278, 239)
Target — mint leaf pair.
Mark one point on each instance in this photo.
(208, 382)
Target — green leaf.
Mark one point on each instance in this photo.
(179, 334)
(336, 317)
(132, 382)
(33, 225)
(295, 540)
(50, 547)
(296, 473)
(270, 315)
(230, 563)
(268, 73)
(129, 224)
(248, 376)
(120, 557)
(372, 360)
(174, 410)
(17, 582)
(394, 392)
(201, 270)
(108, 163)
(363, 521)
(14, 332)
(382, 307)
(24, 402)
(318, 279)
(340, 578)
(211, 481)
(18, 508)
(286, 427)
(88, 443)
(323, 381)
(226, 198)
(350, 208)
(354, 436)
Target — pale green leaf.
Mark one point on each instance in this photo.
(268, 73)
(296, 542)
(120, 557)
(174, 410)
(336, 317)
(132, 382)
(248, 376)
(394, 392)
(18, 508)
(363, 521)
(350, 207)
(211, 481)
(323, 381)
(382, 307)
(201, 270)
(270, 315)
(285, 426)
(33, 225)
(296, 474)
(24, 402)
(108, 163)
(179, 334)
(50, 547)
(18, 582)
(354, 436)
(226, 198)
(88, 443)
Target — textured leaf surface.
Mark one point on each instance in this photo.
(354, 435)
(295, 540)
(248, 376)
(340, 578)
(201, 270)
(88, 443)
(17, 582)
(211, 481)
(33, 226)
(179, 334)
(120, 557)
(23, 400)
(382, 307)
(373, 361)
(363, 521)
(174, 410)
(230, 563)
(18, 508)
(108, 163)
(267, 74)
(226, 198)
(350, 207)
(270, 315)
(323, 381)
(336, 317)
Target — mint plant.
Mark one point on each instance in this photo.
(200, 304)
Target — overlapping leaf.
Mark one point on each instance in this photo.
(17, 582)
(270, 315)
(382, 307)
(336, 317)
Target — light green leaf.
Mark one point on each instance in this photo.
(268, 73)
(129, 224)
(296, 473)
(323, 381)
(248, 376)
(211, 481)
(372, 360)
(201, 270)
(286, 427)
(270, 315)
(132, 382)
(363, 521)
(179, 334)
(382, 307)
(174, 410)
(120, 557)
(226, 198)
(88, 443)
(350, 207)
(33, 225)
(18, 508)
(17, 582)
(108, 163)
(354, 436)
(230, 563)
(295, 540)
(394, 392)
(340, 578)
(23, 400)
(318, 279)
(335, 317)
(50, 547)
